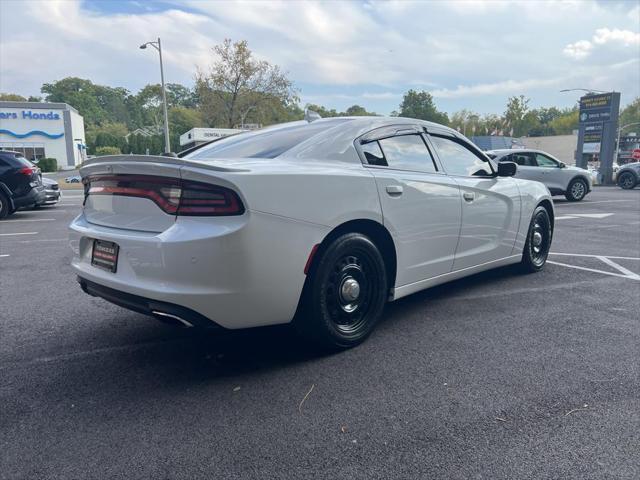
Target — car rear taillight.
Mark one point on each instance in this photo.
(172, 195)
(28, 171)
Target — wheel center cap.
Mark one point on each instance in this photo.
(537, 239)
(350, 290)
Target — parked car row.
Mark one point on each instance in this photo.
(22, 185)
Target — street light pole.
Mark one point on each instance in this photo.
(158, 46)
(588, 90)
(618, 141)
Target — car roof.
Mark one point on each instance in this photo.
(336, 141)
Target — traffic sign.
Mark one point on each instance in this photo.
(636, 154)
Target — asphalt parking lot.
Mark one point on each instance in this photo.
(500, 375)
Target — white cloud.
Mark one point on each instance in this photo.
(625, 37)
(504, 88)
(583, 48)
(578, 50)
(366, 52)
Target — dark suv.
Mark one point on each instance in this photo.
(20, 183)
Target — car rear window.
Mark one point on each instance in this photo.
(267, 143)
(17, 160)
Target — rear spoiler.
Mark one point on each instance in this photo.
(158, 159)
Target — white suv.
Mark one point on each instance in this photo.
(572, 182)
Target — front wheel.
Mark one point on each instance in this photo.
(536, 248)
(345, 293)
(577, 190)
(627, 181)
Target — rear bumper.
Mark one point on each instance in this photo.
(164, 311)
(51, 197)
(236, 272)
(36, 196)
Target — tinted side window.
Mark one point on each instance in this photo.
(458, 159)
(407, 152)
(544, 161)
(524, 159)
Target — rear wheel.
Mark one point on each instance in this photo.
(5, 208)
(536, 248)
(577, 190)
(627, 181)
(345, 295)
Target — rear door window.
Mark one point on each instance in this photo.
(524, 159)
(407, 152)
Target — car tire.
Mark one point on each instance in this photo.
(5, 208)
(538, 243)
(627, 181)
(345, 293)
(577, 190)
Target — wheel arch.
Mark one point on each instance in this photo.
(582, 177)
(630, 171)
(378, 234)
(548, 205)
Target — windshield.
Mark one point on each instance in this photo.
(268, 143)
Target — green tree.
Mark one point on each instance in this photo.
(631, 114)
(237, 84)
(517, 116)
(96, 103)
(358, 111)
(181, 120)
(107, 151)
(421, 105)
(12, 97)
(566, 123)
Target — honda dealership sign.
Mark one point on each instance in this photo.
(598, 129)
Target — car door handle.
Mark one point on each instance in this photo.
(395, 190)
(469, 196)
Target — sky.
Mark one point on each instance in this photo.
(469, 54)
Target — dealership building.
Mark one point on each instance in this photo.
(43, 130)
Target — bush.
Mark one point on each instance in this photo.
(48, 164)
(100, 151)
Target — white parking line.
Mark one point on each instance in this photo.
(593, 270)
(592, 256)
(30, 220)
(23, 233)
(572, 204)
(4, 255)
(620, 268)
(624, 272)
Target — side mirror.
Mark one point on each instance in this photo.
(562, 165)
(507, 169)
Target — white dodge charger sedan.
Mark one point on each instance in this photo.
(318, 223)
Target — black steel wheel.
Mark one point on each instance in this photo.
(345, 293)
(577, 190)
(538, 243)
(627, 180)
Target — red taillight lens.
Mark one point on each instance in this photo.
(172, 195)
(28, 171)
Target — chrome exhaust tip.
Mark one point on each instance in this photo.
(165, 316)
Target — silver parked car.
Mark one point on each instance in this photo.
(52, 191)
(629, 176)
(572, 182)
